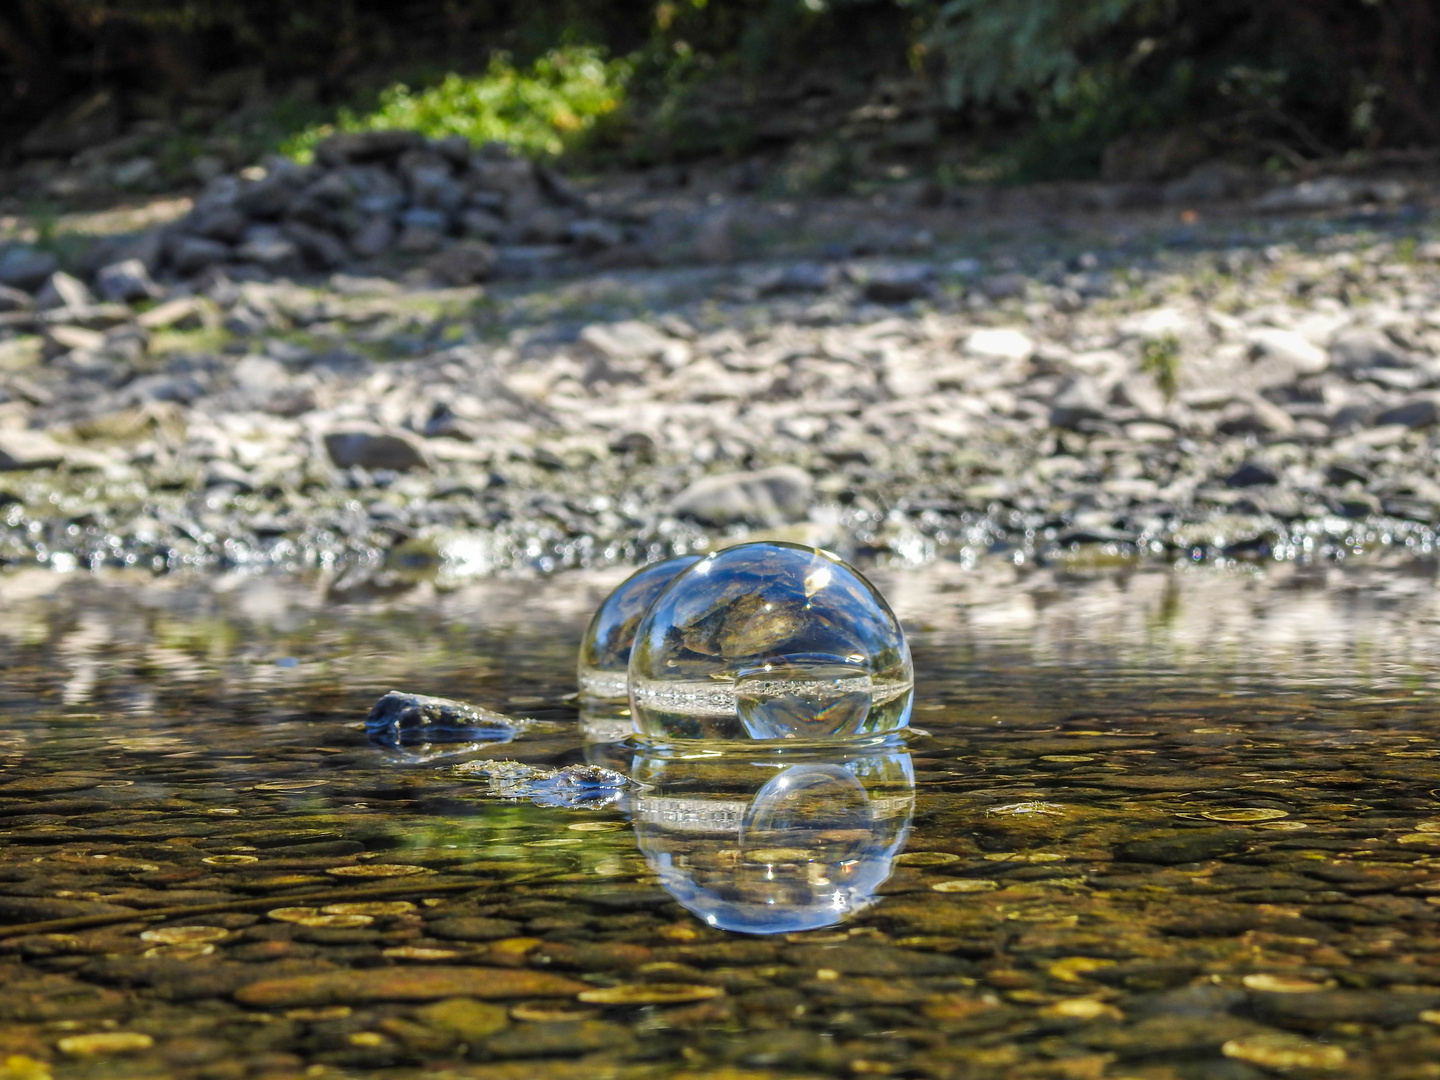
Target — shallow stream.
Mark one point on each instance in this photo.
(1158, 824)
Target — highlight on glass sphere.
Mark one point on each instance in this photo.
(757, 851)
(605, 649)
(769, 640)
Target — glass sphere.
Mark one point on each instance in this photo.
(605, 649)
(760, 851)
(769, 641)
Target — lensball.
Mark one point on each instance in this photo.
(769, 641)
(605, 649)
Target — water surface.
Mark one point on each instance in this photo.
(1158, 824)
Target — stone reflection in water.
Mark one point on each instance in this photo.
(603, 722)
(775, 843)
(769, 641)
(605, 649)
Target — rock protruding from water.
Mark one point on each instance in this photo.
(426, 727)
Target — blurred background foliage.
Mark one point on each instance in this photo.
(1029, 88)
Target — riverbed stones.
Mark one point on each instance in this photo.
(765, 497)
(581, 406)
(406, 984)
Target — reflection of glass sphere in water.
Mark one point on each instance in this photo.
(769, 641)
(750, 850)
(605, 649)
(821, 811)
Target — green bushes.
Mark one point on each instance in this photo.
(551, 106)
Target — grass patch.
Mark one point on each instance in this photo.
(560, 103)
(1160, 359)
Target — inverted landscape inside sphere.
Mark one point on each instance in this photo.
(769, 640)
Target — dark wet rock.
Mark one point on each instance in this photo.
(800, 277)
(419, 239)
(1416, 413)
(1341, 473)
(374, 448)
(464, 263)
(406, 984)
(415, 720)
(594, 236)
(767, 497)
(897, 284)
(373, 238)
(1251, 474)
(1183, 846)
(126, 282)
(26, 268)
(363, 147)
(320, 248)
(190, 254)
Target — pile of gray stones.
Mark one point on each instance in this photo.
(415, 357)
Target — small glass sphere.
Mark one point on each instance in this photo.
(769, 641)
(605, 649)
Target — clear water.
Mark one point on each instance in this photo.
(1160, 824)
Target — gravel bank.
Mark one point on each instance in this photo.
(1258, 388)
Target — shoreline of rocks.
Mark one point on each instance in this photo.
(1227, 391)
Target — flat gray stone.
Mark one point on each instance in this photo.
(29, 450)
(26, 268)
(768, 497)
(126, 281)
(374, 448)
(1416, 413)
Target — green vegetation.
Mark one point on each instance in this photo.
(1011, 88)
(1160, 359)
(555, 104)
